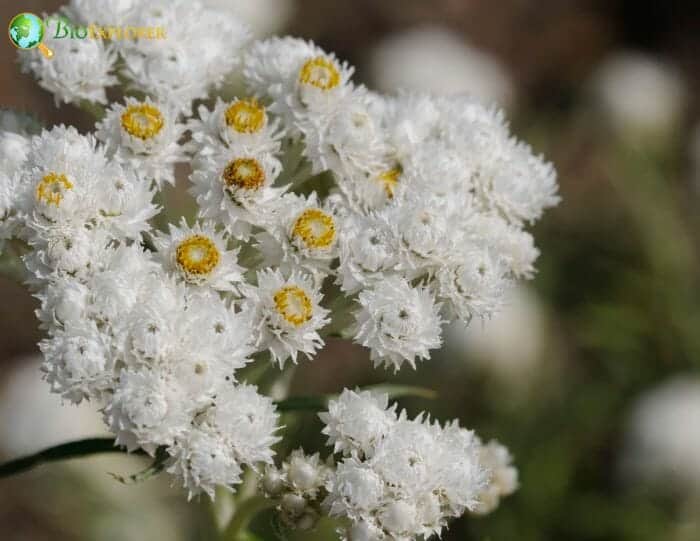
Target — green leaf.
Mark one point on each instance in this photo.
(73, 449)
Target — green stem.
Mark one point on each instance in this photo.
(73, 449)
(242, 516)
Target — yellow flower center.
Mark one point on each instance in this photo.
(244, 173)
(320, 72)
(293, 304)
(389, 179)
(315, 228)
(197, 256)
(245, 116)
(52, 187)
(143, 120)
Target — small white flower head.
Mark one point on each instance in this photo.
(398, 323)
(199, 255)
(503, 476)
(287, 314)
(202, 461)
(242, 123)
(304, 474)
(77, 362)
(296, 75)
(69, 250)
(355, 490)
(67, 180)
(357, 421)
(184, 63)
(348, 140)
(143, 135)
(368, 252)
(246, 421)
(474, 284)
(518, 184)
(235, 188)
(426, 234)
(114, 13)
(148, 409)
(80, 69)
(304, 234)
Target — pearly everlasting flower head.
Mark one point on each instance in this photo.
(79, 69)
(287, 314)
(144, 135)
(398, 323)
(200, 256)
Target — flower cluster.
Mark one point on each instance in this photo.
(315, 198)
(399, 478)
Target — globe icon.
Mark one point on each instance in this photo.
(26, 30)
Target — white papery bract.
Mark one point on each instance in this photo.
(234, 186)
(80, 69)
(405, 212)
(287, 314)
(398, 323)
(409, 480)
(200, 256)
(357, 421)
(144, 135)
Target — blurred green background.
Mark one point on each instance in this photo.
(568, 377)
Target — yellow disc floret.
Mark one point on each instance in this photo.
(293, 304)
(244, 173)
(143, 120)
(197, 256)
(314, 228)
(52, 187)
(320, 72)
(245, 116)
(388, 180)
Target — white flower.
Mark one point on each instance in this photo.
(187, 62)
(143, 135)
(242, 123)
(203, 461)
(348, 141)
(80, 69)
(148, 409)
(518, 184)
(247, 421)
(287, 314)
(357, 421)
(503, 476)
(67, 180)
(77, 363)
(234, 188)
(474, 285)
(199, 255)
(295, 75)
(399, 323)
(302, 233)
(368, 252)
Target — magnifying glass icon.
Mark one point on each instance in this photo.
(26, 31)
